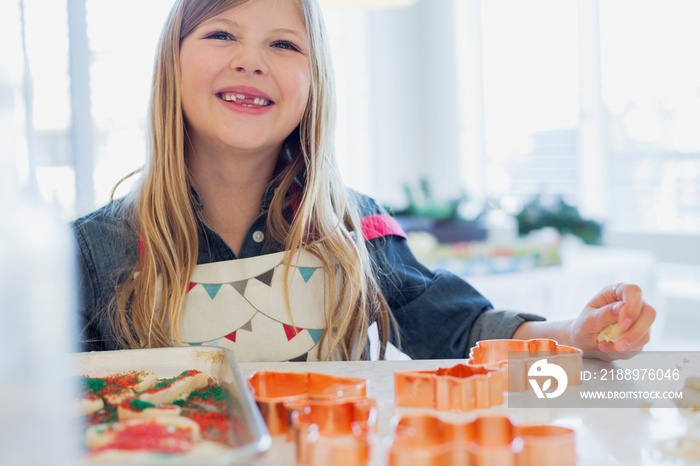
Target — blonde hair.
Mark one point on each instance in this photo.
(147, 307)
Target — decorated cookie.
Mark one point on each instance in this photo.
(177, 388)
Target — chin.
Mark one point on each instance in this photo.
(249, 146)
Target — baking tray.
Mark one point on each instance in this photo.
(219, 363)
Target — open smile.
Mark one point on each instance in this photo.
(245, 99)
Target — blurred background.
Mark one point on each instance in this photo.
(540, 149)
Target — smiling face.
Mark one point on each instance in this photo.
(245, 77)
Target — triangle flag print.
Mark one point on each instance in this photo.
(212, 290)
(290, 331)
(231, 336)
(248, 326)
(266, 277)
(315, 334)
(190, 286)
(239, 286)
(306, 272)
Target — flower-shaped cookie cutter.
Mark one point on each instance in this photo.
(516, 357)
(331, 432)
(272, 389)
(458, 388)
(487, 440)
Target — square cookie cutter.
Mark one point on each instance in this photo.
(458, 388)
(272, 389)
(487, 440)
(495, 354)
(332, 432)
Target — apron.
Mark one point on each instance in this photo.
(240, 304)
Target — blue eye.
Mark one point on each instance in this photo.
(283, 44)
(220, 35)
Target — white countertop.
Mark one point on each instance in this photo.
(619, 436)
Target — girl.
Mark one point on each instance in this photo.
(241, 234)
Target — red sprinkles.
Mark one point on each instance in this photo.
(152, 437)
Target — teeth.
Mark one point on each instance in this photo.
(257, 101)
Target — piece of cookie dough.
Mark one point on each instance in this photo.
(610, 333)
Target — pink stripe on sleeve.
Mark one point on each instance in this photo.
(377, 226)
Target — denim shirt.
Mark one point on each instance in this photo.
(439, 315)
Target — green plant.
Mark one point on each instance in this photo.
(422, 204)
(559, 215)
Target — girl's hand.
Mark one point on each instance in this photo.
(622, 304)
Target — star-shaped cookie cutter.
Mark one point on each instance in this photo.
(487, 440)
(495, 354)
(458, 388)
(272, 390)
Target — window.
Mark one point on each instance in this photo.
(122, 48)
(651, 91)
(596, 101)
(531, 97)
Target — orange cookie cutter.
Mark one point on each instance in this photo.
(272, 389)
(487, 440)
(458, 388)
(332, 432)
(495, 354)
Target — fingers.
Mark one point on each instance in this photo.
(598, 319)
(613, 293)
(605, 296)
(638, 330)
(631, 297)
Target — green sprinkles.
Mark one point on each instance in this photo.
(139, 405)
(92, 384)
(212, 393)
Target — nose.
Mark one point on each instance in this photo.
(249, 59)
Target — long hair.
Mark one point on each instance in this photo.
(147, 306)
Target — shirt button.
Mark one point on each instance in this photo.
(258, 236)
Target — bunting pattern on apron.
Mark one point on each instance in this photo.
(240, 304)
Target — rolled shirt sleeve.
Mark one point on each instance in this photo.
(498, 324)
(439, 314)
